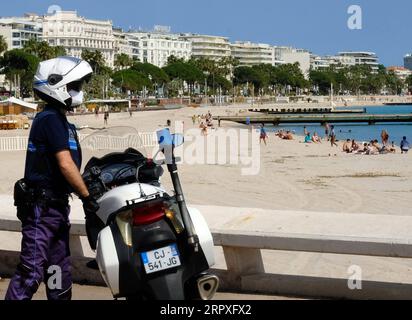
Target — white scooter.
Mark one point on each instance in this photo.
(149, 245)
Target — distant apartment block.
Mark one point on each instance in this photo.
(362, 58)
(292, 55)
(250, 54)
(319, 63)
(407, 61)
(212, 47)
(345, 59)
(18, 30)
(154, 47)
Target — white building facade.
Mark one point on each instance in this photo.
(292, 55)
(211, 47)
(251, 54)
(156, 47)
(18, 30)
(361, 58)
(75, 34)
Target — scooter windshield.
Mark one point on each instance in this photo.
(115, 139)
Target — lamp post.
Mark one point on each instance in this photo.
(206, 73)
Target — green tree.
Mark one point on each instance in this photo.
(122, 61)
(184, 71)
(323, 79)
(206, 65)
(226, 66)
(290, 74)
(408, 82)
(393, 83)
(158, 75)
(173, 59)
(3, 45)
(95, 59)
(18, 63)
(43, 50)
(130, 79)
(248, 75)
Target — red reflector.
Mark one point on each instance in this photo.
(148, 214)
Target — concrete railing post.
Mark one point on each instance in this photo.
(242, 262)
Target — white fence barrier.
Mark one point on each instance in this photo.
(99, 142)
(18, 143)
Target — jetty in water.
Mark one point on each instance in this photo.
(307, 110)
(319, 118)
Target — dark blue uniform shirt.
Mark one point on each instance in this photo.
(50, 133)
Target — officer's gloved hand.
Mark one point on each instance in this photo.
(90, 206)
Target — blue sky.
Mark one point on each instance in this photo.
(317, 25)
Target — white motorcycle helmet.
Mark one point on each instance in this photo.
(60, 80)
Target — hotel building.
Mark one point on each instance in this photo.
(18, 30)
(212, 47)
(75, 34)
(250, 54)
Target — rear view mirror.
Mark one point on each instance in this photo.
(166, 139)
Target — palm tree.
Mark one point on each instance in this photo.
(95, 58)
(43, 50)
(3, 45)
(122, 61)
(227, 65)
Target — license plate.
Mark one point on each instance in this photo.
(161, 259)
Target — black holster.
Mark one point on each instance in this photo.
(23, 199)
(26, 197)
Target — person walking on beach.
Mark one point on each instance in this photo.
(385, 137)
(333, 137)
(404, 146)
(53, 161)
(106, 117)
(263, 134)
(327, 127)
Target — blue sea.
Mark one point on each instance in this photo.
(364, 132)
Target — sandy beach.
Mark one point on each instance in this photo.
(292, 176)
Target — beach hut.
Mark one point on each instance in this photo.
(14, 106)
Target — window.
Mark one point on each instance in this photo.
(16, 43)
(16, 34)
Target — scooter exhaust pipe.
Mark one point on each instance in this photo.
(207, 285)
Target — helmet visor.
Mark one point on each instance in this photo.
(78, 85)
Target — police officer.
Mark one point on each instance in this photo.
(51, 174)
